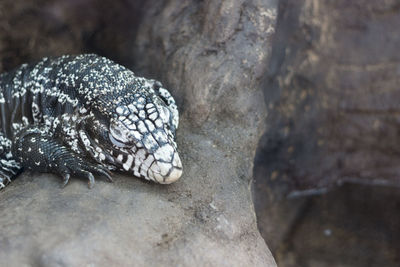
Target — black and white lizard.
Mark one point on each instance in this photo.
(84, 116)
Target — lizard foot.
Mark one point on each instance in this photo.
(84, 169)
(43, 153)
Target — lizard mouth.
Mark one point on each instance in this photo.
(159, 167)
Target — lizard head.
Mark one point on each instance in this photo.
(139, 132)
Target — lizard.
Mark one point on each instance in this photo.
(85, 115)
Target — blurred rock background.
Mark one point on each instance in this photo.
(327, 172)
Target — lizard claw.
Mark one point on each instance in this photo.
(98, 170)
(101, 171)
(84, 169)
(66, 179)
(91, 180)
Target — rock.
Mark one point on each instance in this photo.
(211, 55)
(32, 30)
(332, 96)
(352, 225)
(333, 117)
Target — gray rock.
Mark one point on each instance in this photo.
(333, 96)
(212, 55)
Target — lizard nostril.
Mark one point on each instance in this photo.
(177, 163)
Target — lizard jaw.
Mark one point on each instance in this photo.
(160, 167)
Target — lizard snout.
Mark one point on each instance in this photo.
(167, 172)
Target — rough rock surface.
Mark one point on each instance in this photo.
(211, 54)
(352, 225)
(333, 117)
(31, 30)
(332, 95)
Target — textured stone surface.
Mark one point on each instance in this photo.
(31, 30)
(211, 55)
(333, 117)
(350, 226)
(333, 95)
(200, 220)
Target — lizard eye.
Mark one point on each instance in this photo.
(118, 136)
(116, 142)
(165, 115)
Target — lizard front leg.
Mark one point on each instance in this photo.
(36, 150)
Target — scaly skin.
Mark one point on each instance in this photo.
(86, 116)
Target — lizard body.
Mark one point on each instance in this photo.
(86, 115)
